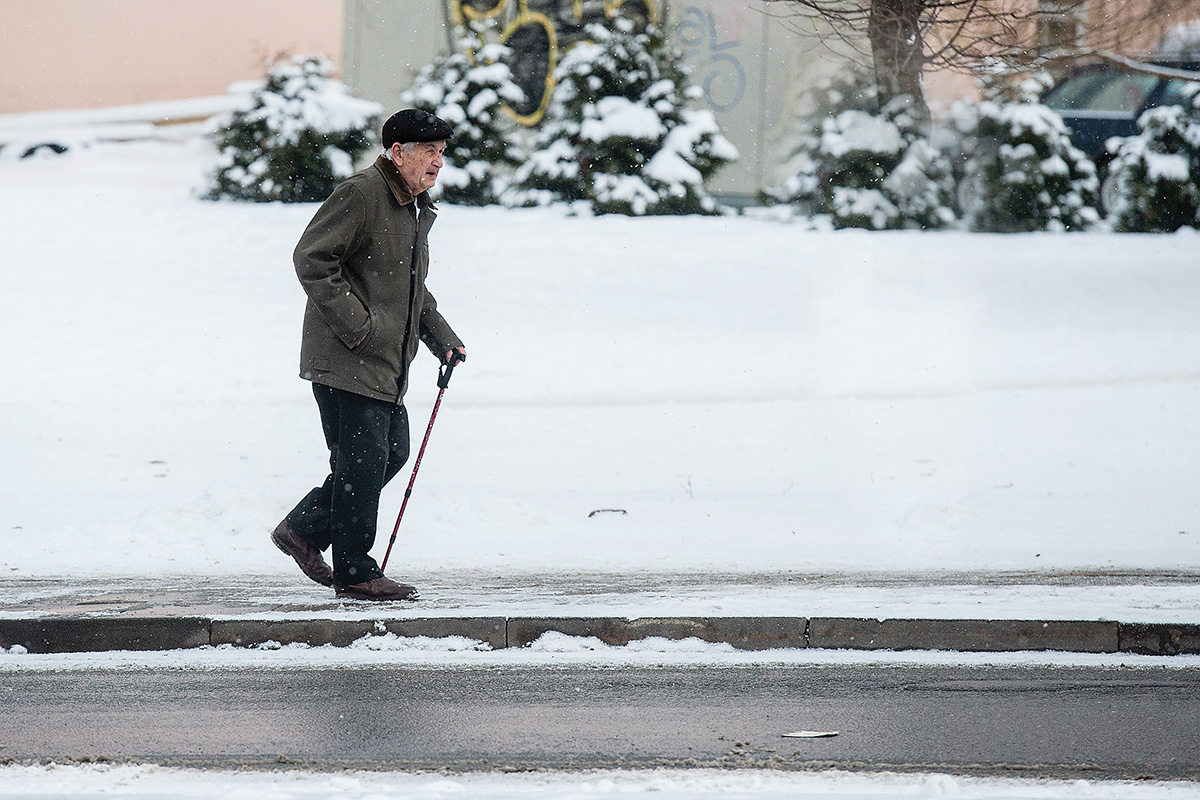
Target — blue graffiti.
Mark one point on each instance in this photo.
(721, 75)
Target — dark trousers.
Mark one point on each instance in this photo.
(368, 444)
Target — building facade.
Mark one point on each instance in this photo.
(71, 54)
(750, 64)
(752, 59)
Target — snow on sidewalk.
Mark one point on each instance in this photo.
(166, 783)
(1159, 598)
(748, 396)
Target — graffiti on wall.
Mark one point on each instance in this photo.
(712, 36)
(536, 31)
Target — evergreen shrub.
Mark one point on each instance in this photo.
(470, 88)
(299, 138)
(867, 167)
(1022, 173)
(620, 133)
(1154, 178)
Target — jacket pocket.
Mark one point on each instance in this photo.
(373, 326)
(316, 369)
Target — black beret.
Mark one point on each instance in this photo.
(414, 125)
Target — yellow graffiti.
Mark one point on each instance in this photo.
(462, 13)
(611, 7)
(526, 17)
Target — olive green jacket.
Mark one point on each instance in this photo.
(363, 261)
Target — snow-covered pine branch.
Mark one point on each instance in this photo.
(1154, 179)
(299, 137)
(621, 132)
(469, 88)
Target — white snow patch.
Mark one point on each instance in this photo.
(1167, 167)
(854, 130)
(759, 396)
(171, 783)
(555, 648)
(620, 117)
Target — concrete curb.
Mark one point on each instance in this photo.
(91, 634)
(94, 634)
(340, 633)
(965, 635)
(744, 633)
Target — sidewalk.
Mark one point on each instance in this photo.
(1155, 613)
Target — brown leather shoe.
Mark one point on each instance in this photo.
(377, 589)
(306, 556)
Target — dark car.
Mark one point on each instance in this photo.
(1100, 101)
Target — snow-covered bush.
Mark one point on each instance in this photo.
(1022, 173)
(879, 171)
(469, 89)
(1154, 178)
(619, 133)
(298, 139)
(845, 90)
(864, 167)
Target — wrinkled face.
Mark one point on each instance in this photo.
(419, 166)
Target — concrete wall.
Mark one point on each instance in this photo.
(386, 44)
(749, 63)
(752, 67)
(57, 54)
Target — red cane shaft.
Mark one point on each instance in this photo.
(416, 466)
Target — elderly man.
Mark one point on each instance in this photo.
(362, 261)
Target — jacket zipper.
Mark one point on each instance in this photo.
(412, 298)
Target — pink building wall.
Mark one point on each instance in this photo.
(57, 54)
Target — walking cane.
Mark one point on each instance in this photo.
(443, 381)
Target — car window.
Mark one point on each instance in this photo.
(1109, 90)
(1124, 92)
(1178, 92)
(1074, 92)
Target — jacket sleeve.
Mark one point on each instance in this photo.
(435, 331)
(334, 234)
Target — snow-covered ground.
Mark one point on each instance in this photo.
(163, 783)
(552, 651)
(755, 395)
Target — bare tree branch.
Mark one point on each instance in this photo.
(908, 36)
(1139, 66)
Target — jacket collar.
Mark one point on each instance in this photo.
(399, 188)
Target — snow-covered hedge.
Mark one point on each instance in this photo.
(799, 177)
(867, 168)
(879, 171)
(299, 138)
(1154, 178)
(469, 89)
(1022, 172)
(619, 133)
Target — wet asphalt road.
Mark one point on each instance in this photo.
(1084, 722)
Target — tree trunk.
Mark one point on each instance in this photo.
(897, 48)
